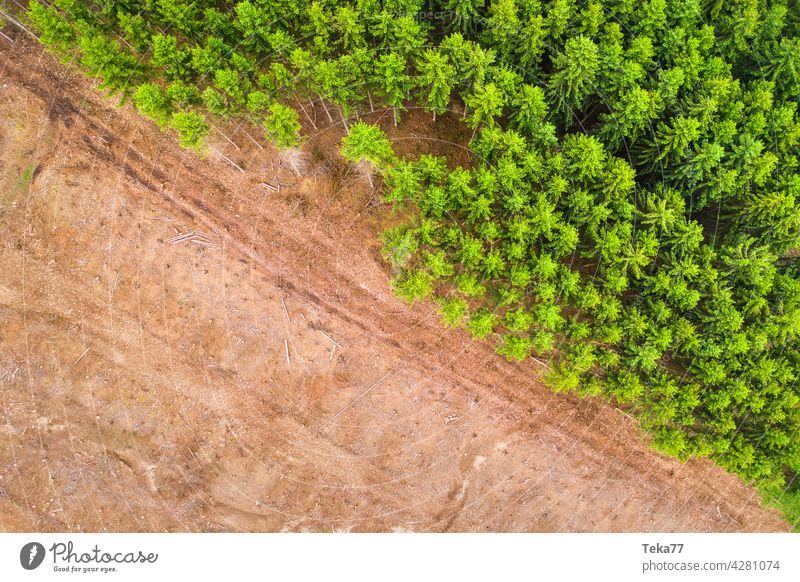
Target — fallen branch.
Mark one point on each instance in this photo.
(286, 311)
(271, 187)
(227, 159)
(314, 125)
(86, 351)
(233, 143)
(541, 363)
(252, 139)
(197, 238)
(329, 337)
(357, 398)
(18, 24)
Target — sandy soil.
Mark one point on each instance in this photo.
(155, 384)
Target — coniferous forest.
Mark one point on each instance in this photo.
(631, 214)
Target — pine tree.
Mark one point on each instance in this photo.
(486, 104)
(151, 100)
(367, 143)
(104, 58)
(576, 72)
(191, 127)
(437, 79)
(393, 80)
(282, 126)
(166, 54)
(54, 30)
(465, 14)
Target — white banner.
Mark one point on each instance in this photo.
(401, 557)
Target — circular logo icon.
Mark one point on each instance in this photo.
(31, 555)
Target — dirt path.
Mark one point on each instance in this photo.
(153, 382)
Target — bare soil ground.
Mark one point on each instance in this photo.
(149, 383)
